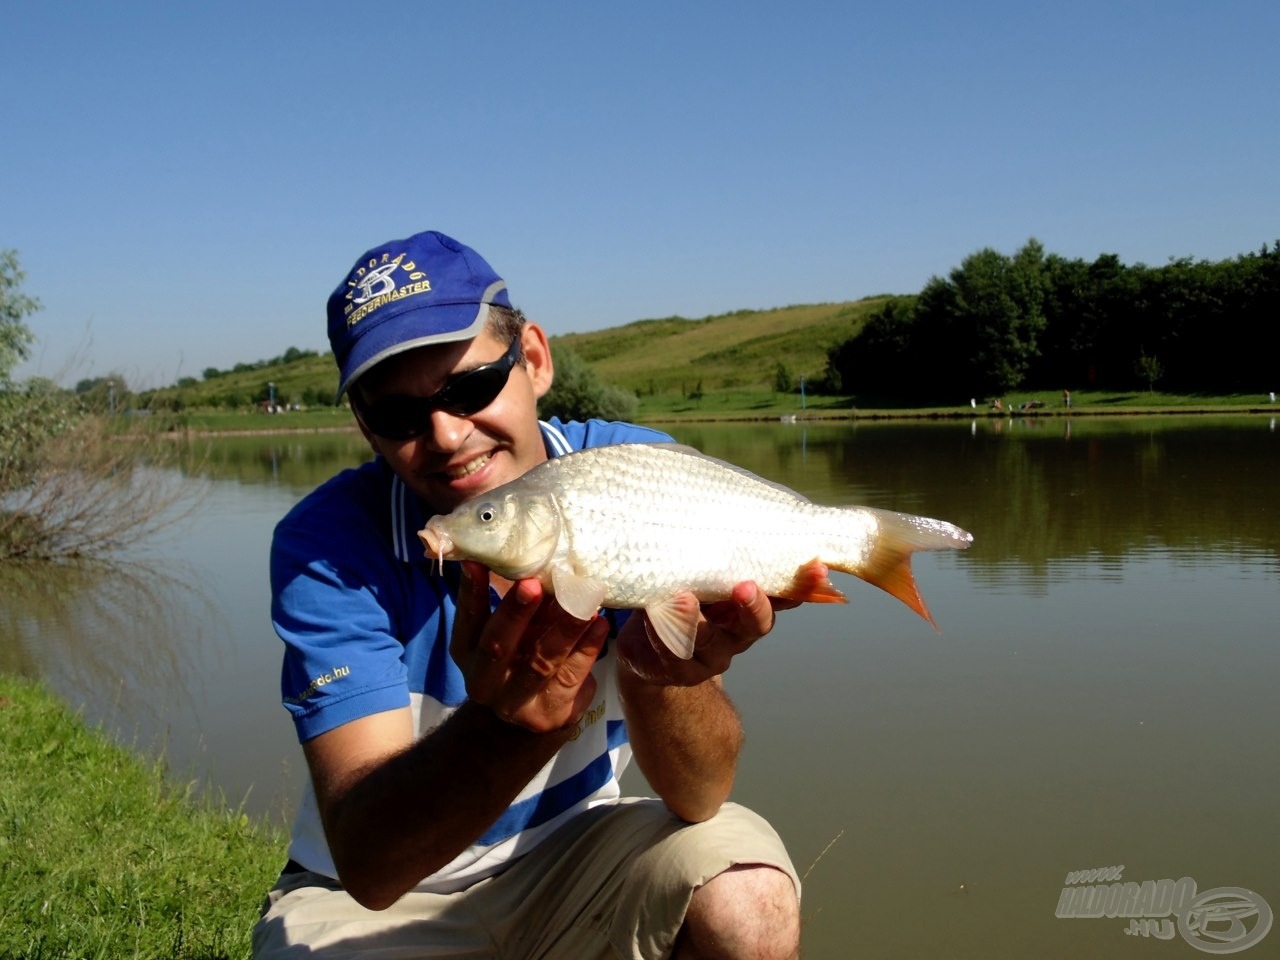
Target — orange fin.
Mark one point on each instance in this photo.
(811, 585)
(889, 565)
(889, 568)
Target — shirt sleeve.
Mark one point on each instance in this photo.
(332, 607)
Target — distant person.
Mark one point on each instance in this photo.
(1066, 399)
(464, 735)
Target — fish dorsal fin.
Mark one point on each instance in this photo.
(579, 596)
(684, 448)
(675, 621)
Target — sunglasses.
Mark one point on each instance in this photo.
(403, 418)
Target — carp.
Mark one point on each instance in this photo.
(662, 528)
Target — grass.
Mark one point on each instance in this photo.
(669, 356)
(255, 421)
(104, 857)
(723, 353)
(765, 405)
(762, 404)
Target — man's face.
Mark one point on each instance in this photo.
(459, 457)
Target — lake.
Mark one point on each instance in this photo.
(1104, 692)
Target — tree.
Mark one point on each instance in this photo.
(106, 394)
(999, 304)
(1149, 369)
(15, 306)
(873, 362)
(578, 394)
(293, 354)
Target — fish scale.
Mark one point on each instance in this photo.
(645, 525)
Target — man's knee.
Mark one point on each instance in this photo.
(749, 910)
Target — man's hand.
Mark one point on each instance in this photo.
(728, 628)
(529, 662)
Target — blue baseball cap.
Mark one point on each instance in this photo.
(409, 293)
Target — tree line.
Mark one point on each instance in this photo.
(289, 356)
(999, 323)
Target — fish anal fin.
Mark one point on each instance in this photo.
(675, 621)
(579, 596)
(811, 585)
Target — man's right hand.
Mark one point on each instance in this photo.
(528, 661)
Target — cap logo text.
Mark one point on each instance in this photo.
(374, 285)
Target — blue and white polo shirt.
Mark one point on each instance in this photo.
(366, 618)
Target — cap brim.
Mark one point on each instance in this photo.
(409, 330)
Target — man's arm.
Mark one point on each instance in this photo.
(685, 740)
(395, 810)
(684, 731)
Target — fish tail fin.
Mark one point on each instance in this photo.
(889, 564)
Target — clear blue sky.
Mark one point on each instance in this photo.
(185, 183)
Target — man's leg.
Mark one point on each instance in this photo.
(748, 911)
(622, 881)
(627, 880)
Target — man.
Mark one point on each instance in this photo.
(464, 735)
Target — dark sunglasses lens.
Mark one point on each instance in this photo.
(473, 391)
(396, 418)
(403, 418)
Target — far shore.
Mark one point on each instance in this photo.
(294, 423)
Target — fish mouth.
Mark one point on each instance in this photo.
(438, 543)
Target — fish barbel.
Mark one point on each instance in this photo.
(662, 527)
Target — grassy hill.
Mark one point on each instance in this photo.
(730, 351)
(309, 381)
(662, 361)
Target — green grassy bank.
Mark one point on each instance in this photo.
(743, 404)
(104, 857)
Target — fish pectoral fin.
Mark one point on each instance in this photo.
(675, 621)
(579, 596)
(811, 585)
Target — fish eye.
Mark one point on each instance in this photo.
(486, 513)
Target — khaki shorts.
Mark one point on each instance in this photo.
(615, 882)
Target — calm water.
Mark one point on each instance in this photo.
(1104, 691)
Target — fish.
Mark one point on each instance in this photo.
(663, 528)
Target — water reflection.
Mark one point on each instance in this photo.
(1041, 492)
(105, 637)
(298, 461)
